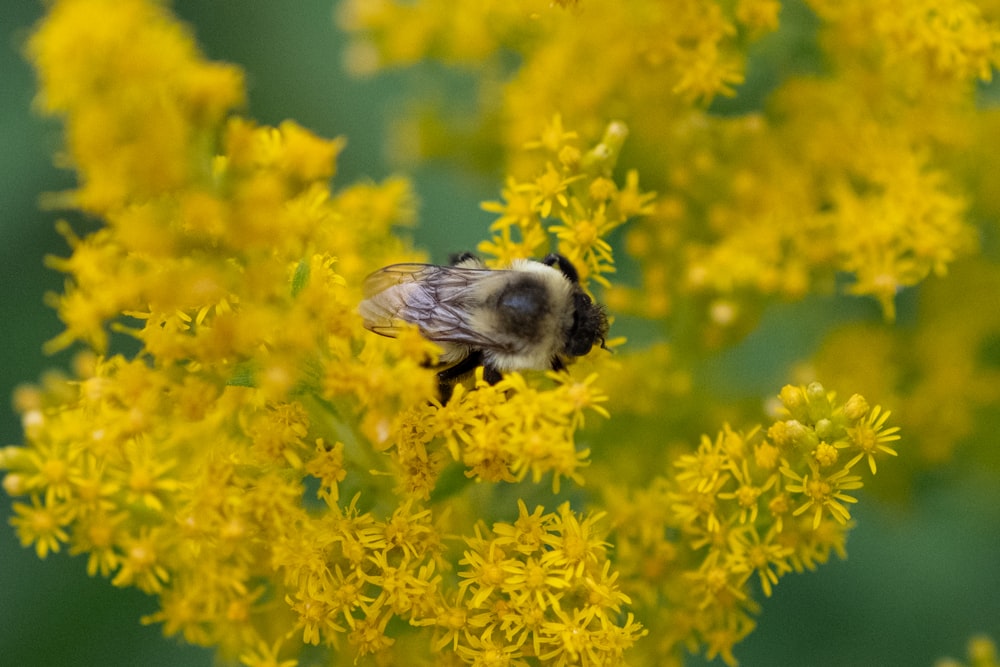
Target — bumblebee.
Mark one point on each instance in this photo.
(531, 315)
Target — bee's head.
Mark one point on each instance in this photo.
(590, 325)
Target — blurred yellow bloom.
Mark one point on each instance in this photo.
(982, 652)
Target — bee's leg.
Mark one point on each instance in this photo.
(447, 377)
(564, 266)
(466, 365)
(491, 374)
(558, 365)
(445, 390)
(460, 258)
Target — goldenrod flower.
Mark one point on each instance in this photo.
(840, 173)
(41, 526)
(693, 537)
(183, 471)
(279, 478)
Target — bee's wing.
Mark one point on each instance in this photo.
(440, 300)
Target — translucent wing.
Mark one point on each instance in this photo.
(440, 300)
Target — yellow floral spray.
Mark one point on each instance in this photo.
(279, 478)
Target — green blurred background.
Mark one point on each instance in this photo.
(919, 579)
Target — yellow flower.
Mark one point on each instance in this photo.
(823, 493)
(871, 438)
(266, 656)
(142, 563)
(762, 554)
(41, 526)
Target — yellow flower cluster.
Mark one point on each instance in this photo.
(198, 244)
(691, 50)
(843, 172)
(500, 432)
(273, 473)
(938, 377)
(120, 104)
(950, 41)
(573, 197)
(539, 587)
(742, 510)
(280, 478)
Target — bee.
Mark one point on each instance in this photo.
(532, 315)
